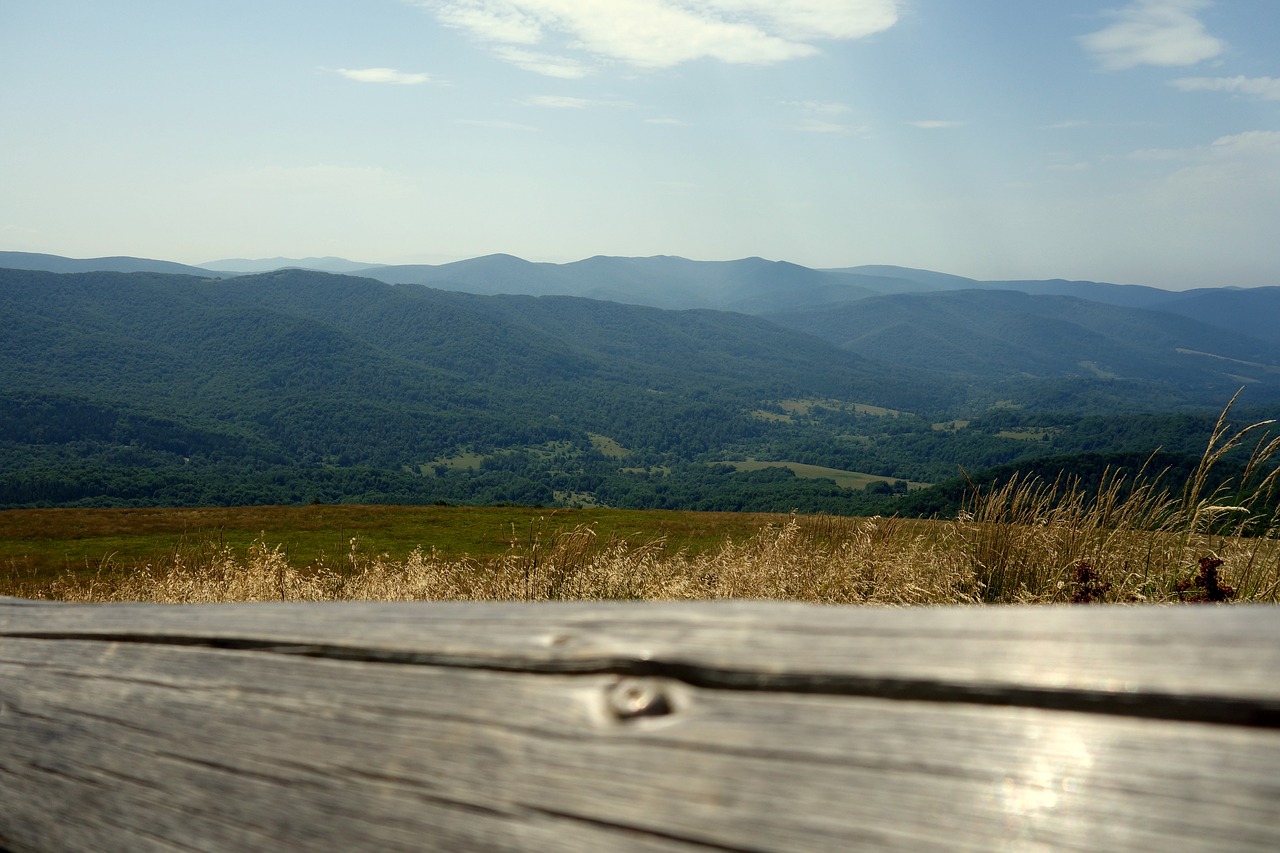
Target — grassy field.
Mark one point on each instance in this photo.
(39, 545)
(1013, 546)
(847, 479)
(1121, 540)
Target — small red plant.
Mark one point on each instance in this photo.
(1206, 586)
(1089, 587)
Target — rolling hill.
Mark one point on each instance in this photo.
(750, 285)
(1253, 311)
(258, 265)
(994, 334)
(321, 373)
(151, 388)
(57, 263)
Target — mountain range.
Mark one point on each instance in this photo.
(612, 380)
(749, 285)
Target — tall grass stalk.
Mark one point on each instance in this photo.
(1025, 540)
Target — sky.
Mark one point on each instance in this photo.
(1132, 141)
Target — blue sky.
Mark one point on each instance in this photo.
(1120, 140)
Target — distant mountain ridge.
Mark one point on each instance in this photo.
(991, 334)
(325, 264)
(749, 285)
(59, 264)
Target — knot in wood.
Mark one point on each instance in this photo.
(638, 697)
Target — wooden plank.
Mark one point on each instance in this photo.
(746, 726)
(1148, 661)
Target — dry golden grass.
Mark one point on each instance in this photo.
(1129, 539)
(808, 558)
(1026, 540)
(815, 558)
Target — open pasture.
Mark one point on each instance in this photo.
(39, 545)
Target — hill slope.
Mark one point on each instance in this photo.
(257, 265)
(298, 386)
(1006, 334)
(148, 380)
(750, 285)
(57, 263)
(1254, 311)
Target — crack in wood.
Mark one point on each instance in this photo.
(1221, 710)
(637, 830)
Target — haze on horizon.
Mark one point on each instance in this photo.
(1133, 141)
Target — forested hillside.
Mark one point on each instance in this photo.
(298, 386)
(1003, 335)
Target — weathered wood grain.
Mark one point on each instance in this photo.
(732, 726)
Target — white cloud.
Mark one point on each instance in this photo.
(1267, 88)
(664, 33)
(493, 21)
(1256, 146)
(1065, 125)
(1153, 32)
(935, 124)
(384, 75)
(819, 19)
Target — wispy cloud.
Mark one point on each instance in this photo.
(819, 126)
(666, 120)
(1241, 165)
(1260, 147)
(1153, 32)
(1267, 88)
(501, 21)
(664, 33)
(1262, 143)
(1065, 125)
(825, 108)
(557, 102)
(384, 75)
(546, 64)
(936, 124)
(495, 124)
(1159, 154)
(564, 102)
(820, 117)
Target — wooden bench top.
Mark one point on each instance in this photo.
(636, 726)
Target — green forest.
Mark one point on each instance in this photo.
(296, 387)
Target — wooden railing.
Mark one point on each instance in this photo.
(593, 726)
